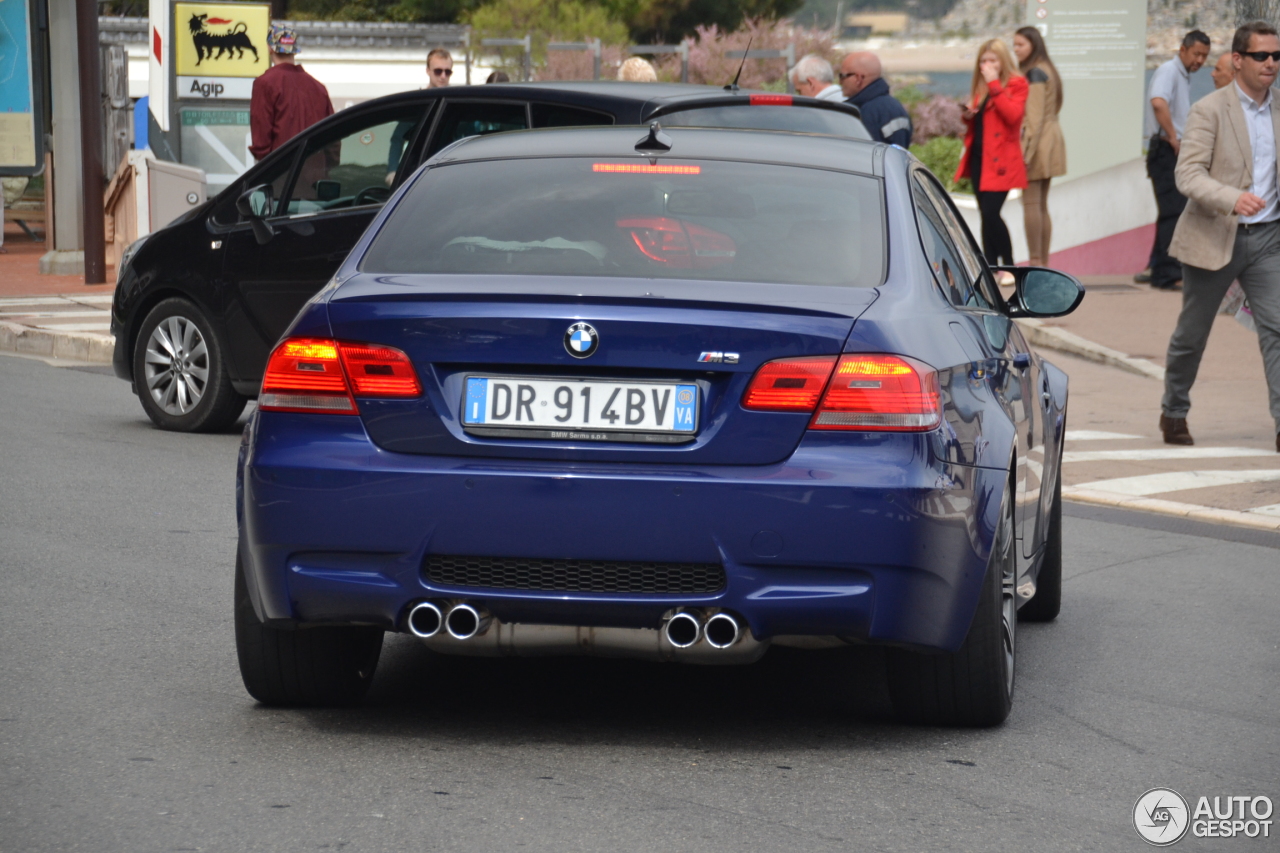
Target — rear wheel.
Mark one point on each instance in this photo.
(304, 666)
(180, 371)
(974, 685)
(1045, 604)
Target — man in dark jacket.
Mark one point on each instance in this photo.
(286, 99)
(885, 118)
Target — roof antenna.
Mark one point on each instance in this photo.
(655, 141)
(733, 87)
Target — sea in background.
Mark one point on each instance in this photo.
(955, 84)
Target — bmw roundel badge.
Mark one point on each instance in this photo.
(581, 340)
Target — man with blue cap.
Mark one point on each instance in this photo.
(286, 99)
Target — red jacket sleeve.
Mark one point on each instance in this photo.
(262, 119)
(1010, 102)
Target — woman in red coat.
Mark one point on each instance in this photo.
(992, 156)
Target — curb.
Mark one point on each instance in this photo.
(89, 347)
(1051, 337)
(1192, 512)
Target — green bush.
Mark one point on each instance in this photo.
(941, 155)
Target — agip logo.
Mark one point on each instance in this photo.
(217, 41)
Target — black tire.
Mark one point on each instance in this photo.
(302, 666)
(1047, 602)
(187, 389)
(974, 685)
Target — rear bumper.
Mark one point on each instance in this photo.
(856, 535)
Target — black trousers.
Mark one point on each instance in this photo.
(996, 244)
(1161, 161)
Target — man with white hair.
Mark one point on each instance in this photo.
(813, 77)
(884, 116)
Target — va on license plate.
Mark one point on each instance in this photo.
(578, 404)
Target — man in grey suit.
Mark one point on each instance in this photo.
(1230, 230)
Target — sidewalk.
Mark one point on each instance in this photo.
(1115, 455)
(54, 316)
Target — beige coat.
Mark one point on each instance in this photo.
(1215, 167)
(1043, 149)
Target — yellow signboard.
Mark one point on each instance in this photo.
(221, 39)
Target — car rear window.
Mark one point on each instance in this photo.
(637, 218)
(769, 117)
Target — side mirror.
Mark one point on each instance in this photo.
(328, 190)
(1042, 292)
(254, 204)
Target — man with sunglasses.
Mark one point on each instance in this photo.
(1230, 229)
(439, 68)
(439, 75)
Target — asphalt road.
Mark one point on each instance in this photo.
(124, 725)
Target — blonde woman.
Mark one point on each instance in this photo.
(637, 70)
(992, 157)
(1043, 148)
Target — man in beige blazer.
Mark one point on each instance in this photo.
(1230, 229)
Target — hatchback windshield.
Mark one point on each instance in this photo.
(633, 218)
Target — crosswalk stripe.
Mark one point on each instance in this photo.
(53, 314)
(74, 327)
(1162, 453)
(1096, 435)
(1177, 481)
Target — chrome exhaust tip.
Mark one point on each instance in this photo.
(722, 631)
(465, 622)
(425, 620)
(683, 629)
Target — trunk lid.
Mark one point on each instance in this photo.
(497, 329)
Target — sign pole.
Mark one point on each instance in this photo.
(95, 258)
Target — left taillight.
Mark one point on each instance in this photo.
(319, 375)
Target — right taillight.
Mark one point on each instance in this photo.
(862, 392)
(880, 392)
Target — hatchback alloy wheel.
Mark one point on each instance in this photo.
(177, 365)
(180, 373)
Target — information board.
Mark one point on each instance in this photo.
(216, 140)
(19, 140)
(1099, 48)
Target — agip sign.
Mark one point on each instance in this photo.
(219, 48)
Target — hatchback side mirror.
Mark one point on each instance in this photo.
(254, 204)
(1042, 292)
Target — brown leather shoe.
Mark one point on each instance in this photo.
(1175, 430)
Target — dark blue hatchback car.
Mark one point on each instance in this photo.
(679, 396)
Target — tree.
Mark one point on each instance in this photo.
(547, 20)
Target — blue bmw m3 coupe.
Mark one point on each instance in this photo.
(679, 395)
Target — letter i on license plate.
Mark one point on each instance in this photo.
(580, 405)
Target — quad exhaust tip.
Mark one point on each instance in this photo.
(722, 631)
(425, 620)
(683, 630)
(465, 622)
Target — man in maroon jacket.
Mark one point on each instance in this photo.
(286, 99)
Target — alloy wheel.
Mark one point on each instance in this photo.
(176, 365)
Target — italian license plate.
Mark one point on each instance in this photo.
(580, 409)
